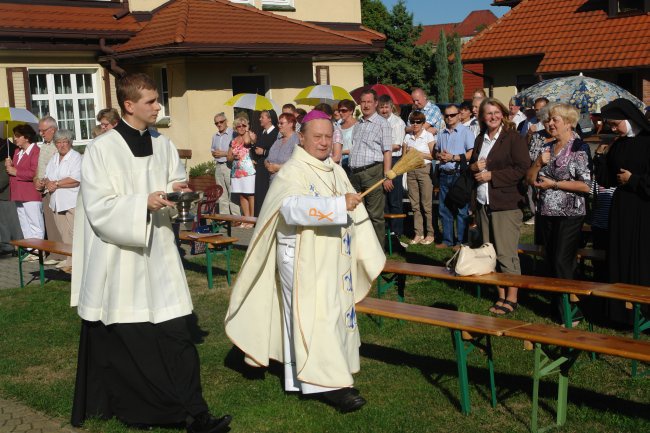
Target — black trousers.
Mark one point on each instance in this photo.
(561, 237)
(141, 373)
(394, 203)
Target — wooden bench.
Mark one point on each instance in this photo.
(37, 247)
(387, 217)
(548, 362)
(468, 330)
(225, 220)
(565, 288)
(215, 244)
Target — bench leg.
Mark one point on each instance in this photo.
(490, 362)
(20, 265)
(545, 366)
(228, 251)
(41, 267)
(640, 325)
(208, 258)
(463, 381)
(390, 241)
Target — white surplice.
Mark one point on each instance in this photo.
(126, 267)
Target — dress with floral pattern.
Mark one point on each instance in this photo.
(572, 163)
(243, 166)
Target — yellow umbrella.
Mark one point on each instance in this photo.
(11, 116)
(252, 101)
(314, 95)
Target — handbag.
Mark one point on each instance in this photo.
(473, 261)
(460, 192)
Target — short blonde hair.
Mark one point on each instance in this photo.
(568, 113)
(240, 121)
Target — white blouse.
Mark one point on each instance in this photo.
(64, 199)
(420, 143)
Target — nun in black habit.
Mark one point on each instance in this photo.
(625, 164)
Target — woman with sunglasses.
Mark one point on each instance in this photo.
(243, 171)
(420, 187)
(346, 110)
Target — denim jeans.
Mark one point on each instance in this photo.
(447, 218)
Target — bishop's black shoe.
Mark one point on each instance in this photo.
(344, 399)
(206, 423)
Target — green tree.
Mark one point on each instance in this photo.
(441, 64)
(402, 62)
(456, 71)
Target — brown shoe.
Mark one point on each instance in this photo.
(442, 245)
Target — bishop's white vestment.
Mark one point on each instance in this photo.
(333, 267)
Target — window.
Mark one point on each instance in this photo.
(164, 94)
(278, 5)
(69, 97)
(278, 2)
(248, 2)
(322, 74)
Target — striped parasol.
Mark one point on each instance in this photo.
(329, 94)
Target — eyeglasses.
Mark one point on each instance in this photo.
(40, 131)
(343, 110)
(417, 122)
(451, 115)
(219, 122)
(241, 126)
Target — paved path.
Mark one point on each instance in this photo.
(16, 417)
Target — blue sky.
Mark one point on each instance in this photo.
(439, 11)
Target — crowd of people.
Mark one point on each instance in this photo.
(40, 184)
(302, 175)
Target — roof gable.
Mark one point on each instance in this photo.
(184, 25)
(570, 35)
(469, 27)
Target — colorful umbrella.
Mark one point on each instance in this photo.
(11, 116)
(585, 93)
(398, 95)
(252, 101)
(329, 94)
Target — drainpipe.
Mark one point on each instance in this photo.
(114, 68)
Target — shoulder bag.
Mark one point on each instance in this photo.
(473, 261)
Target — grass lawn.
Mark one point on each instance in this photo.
(408, 371)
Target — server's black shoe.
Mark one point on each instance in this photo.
(344, 399)
(206, 423)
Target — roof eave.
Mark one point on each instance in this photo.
(234, 51)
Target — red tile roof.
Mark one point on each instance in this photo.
(468, 27)
(570, 35)
(64, 21)
(222, 26)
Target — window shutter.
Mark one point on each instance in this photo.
(18, 87)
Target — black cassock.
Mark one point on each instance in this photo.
(264, 141)
(629, 231)
(140, 373)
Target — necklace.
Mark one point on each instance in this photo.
(332, 188)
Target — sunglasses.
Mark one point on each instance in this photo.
(417, 122)
(242, 126)
(219, 122)
(343, 110)
(452, 115)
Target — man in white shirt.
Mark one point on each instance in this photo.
(219, 149)
(394, 198)
(516, 115)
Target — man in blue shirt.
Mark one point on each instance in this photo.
(455, 143)
(434, 122)
(219, 149)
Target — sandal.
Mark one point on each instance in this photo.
(416, 240)
(496, 304)
(503, 310)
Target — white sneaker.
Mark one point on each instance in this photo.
(50, 262)
(31, 258)
(530, 222)
(61, 264)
